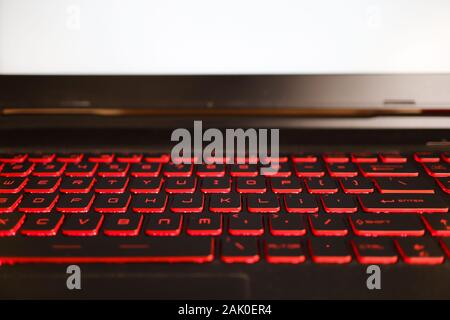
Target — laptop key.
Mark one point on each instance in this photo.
(364, 157)
(17, 169)
(387, 225)
(157, 157)
(82, 225)
(123, 225)
(215, 185)
(204, 225)
(145, 169)
(244, 224)
(286, 185)
(287, 225)
(281, 158)
(42, 225)
(420, 251)
(375, 250)
(304, 157)
(403, 185)
(342, 169)
(309, 169)
(178, 170)
(75, 203)
(107, 250)
(225, 203)
(330, 250)
(251, 185)
(100, 157)
(164, 225)
(181, 185)
(146, 185)
(240, 250)
(263, 203)
(69, 157)
(9, 202)
(112, 203)
(437, 170)
(245, 158)
(41, 157)
(129, 157)
(113, 169)
(76, 184)
(302, 203)
(42, 184)
(243, 170)
(51, 169)
(284, 250)
(393, 157)
(438, 224)
(401, 203)
(335, 157)
(444, 183)
(149, 203)
(281, 170)
(10, 223)
(13, 157)
(111, 185)
(321, 185)
(427, 156)
(388, 170)
(356, 185)
(445, 244)
(38, 202)
(338, 203)
(12, 184)
(326, 225)
(81, 169)
(445, 156)
(187, 203)
(210, 170)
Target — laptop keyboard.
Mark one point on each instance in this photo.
(377, 208)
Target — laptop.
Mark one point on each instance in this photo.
(233, 150)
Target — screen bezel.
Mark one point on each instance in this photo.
(209, 92)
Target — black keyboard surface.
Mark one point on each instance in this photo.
(372, 208)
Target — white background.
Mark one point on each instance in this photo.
(224, 37)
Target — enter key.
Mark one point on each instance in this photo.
(409, 203)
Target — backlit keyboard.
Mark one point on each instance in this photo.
(377, 208)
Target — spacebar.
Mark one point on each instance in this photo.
(106, 250)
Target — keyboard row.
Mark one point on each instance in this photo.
(221, 203)
(329, 157)
(230, 249)
(244, 224)
(325, 185)
(286, 169)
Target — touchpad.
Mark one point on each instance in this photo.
(170, 286)
(130, 282)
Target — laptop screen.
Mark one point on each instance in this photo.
(159, 37)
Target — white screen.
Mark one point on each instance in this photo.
(224, 37)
